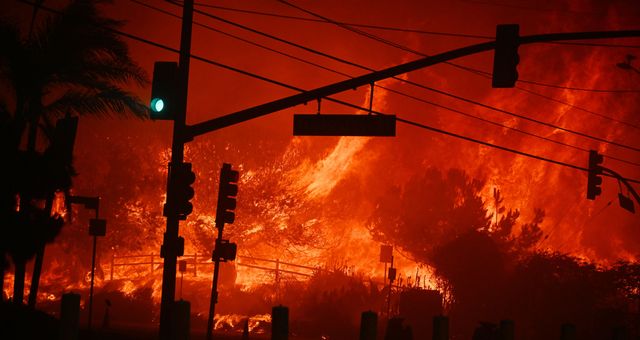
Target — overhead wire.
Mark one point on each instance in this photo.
(619, 121)
(386, 88)
(478, 72)
(486, 74)
(603, 140)
(394, 29)
(402, 120)
(378, 27)
(470, 69)
(407, 81)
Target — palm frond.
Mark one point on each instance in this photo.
(101, 70)
(105, 103)
(82, 38)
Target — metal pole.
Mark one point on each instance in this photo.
(385, 274)
(181, 282)
(278, 279)
(113, 260)
(177, 156)
(93, 271)
(37, 265)
(214, 286)
(389, 295)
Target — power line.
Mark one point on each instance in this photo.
(591, 44)
(385, 88)
(423, 126)
(527, 7)
(397, 29)
(520, 88)
(489, 75)
(407, 81)
(378, 27)
(582, 89)
(635, 126)
(233, 36)
(400, 79)
(465, 99)
(466, 68)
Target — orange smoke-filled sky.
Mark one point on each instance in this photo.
(598, 229)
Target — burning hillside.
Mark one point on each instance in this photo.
(468, 215)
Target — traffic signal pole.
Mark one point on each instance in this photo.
(624, 181)
(214, 285)
(227, 192)
(170, 240)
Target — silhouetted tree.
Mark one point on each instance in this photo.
(72, 64)
(430, 210)
(490, 265)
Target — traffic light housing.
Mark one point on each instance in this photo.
(164, 90)
(175, 248)
(506, 58)
(594, 179)
(227, 193)
(181, 179)
(224, 251)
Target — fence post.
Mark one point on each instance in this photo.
(277, 271)
(195, 264)
(113, 260)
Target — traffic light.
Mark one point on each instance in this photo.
(594, 179)
(175, 248)
(506, 58)
(181, 177)
(164, 90)
(227, 193)
(225, 251)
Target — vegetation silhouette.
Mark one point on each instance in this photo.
(70, 64)
(487, 262)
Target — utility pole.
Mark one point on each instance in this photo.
(170, 245)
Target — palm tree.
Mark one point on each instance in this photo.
(73, 63)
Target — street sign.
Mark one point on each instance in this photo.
(344, 125)
(386, 253)
(97, 227)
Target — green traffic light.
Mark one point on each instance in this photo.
(157, 104)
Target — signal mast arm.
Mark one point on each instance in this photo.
(367, 79)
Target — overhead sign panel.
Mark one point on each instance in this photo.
(344, 125)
